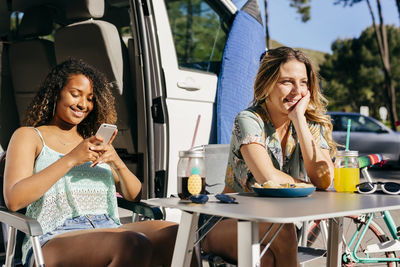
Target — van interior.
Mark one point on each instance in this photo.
(35, 35)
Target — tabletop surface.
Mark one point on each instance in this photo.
(318, 205)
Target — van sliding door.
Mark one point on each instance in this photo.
(191, 37)
(152, 116)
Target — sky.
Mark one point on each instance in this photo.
(328, 22)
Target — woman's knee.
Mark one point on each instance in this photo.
(133, 240)
(288, 233)
(284, 246)
(131, 247)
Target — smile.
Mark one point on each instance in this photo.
(78, 113)
(291, 101)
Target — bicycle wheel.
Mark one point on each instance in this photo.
(373, 235)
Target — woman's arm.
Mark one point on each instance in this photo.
(261, 166)
(127, 184)
(317, 161)
(21, 186)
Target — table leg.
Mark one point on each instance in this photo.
(248, 244)
(335, 242)
(185, 239)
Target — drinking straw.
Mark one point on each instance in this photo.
(193, 141)
(348, 134)
(347, 139)
(195, 131)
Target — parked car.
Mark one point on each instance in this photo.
(367, 135)
(162, 59)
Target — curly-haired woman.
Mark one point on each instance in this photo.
(56, 168)
(284, 137)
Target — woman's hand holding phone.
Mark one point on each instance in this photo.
(97, 149)
(84, 151)
(106, 132)
(107, 153)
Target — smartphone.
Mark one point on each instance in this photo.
(106, 131)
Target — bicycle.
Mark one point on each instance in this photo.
(367, 238)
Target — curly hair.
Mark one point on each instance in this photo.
(41, 110)
(268, 75)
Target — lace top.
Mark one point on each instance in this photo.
(81, 191)
(254, 126)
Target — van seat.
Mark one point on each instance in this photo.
(98, 43)
(31, 58)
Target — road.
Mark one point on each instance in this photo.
(383, 174)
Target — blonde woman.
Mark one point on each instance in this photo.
(284, 137)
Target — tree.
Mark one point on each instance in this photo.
(303, 7)
(353, 74)
(381, 39)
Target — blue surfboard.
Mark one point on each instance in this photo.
(240, 61)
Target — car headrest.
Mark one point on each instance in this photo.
(84, 9)
(37, 21)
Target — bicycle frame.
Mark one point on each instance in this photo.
(350, 254)
(363, 228)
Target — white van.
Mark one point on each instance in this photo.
(162, 58)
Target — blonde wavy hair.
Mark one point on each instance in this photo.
(268, 75)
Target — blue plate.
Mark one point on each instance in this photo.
(283, 192)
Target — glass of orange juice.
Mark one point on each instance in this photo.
(347, 173)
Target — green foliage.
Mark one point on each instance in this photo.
(347, 2)
(353, 74)
(303, 8)
(199, 35)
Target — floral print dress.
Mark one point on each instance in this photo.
(254, 126)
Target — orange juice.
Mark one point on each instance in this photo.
(346, 179)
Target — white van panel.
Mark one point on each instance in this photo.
(182, 125)
(183, 105)
(205, 84)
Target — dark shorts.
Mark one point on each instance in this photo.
(74, 224)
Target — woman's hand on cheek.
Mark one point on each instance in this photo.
(300, 107)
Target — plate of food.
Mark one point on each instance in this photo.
(271, 189)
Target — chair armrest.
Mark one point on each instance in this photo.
(21, 222)
(141, 208)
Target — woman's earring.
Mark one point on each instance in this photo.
(54, 109)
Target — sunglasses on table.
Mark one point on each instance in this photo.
(201, 199)
(388, 188)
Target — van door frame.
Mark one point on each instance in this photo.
(155, 132)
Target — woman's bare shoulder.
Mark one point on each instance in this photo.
(25, 131)
(25, 135)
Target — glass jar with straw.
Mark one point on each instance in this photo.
(191, 173)
(191, 170)
(347, 172)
